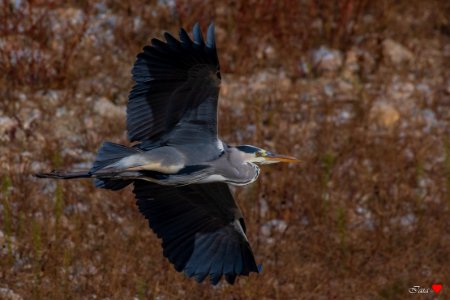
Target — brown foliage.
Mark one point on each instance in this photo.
(364, 215)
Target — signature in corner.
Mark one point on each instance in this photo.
(417, 289)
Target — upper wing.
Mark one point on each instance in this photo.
(201, 228)
(177, 87)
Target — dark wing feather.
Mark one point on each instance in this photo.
(176, 90)
(200, 229)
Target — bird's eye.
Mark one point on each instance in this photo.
(258, 154)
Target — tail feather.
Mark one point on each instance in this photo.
(64, 174)
(108, 154)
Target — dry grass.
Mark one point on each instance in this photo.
(364, 216)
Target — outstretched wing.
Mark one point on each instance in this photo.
(176, 91)
(201, 228)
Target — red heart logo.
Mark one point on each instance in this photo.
(437, 287)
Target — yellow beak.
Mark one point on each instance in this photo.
(281, 158)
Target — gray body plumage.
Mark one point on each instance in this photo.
(169, 165)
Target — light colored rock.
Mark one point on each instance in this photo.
(351, 61)
(327, 60)
(268, 53)
(368, 63)
(304, 67)
(406, 221)
(274, 225)
(7, 128)
(429, 120)
(317, 24)
(401, 94)
(384, 114)
(100, 31)
(264, 207)
(62, 18)
(344, 86)
(106, 108)
(70, 15)
(396, 53)
(351, 66)
(20, 49)
(170, 4)
(268, 80)
(401, 90)
(7, 244)
(29, 116)
(8, 294)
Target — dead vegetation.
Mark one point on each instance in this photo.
(359, 90)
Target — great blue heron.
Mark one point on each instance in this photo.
(180, 168)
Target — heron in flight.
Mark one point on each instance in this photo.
(180, 168)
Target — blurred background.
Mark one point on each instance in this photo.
(359, 90)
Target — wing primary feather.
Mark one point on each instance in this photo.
(216, 268)
(230, 255)
(210, 40)
(230, 278)
(173, 42)
(198, 37)
(202, 243)
(205, 261)
(185, 39)
(158, 44)
(238, 263)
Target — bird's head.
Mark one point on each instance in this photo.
(260, 156)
